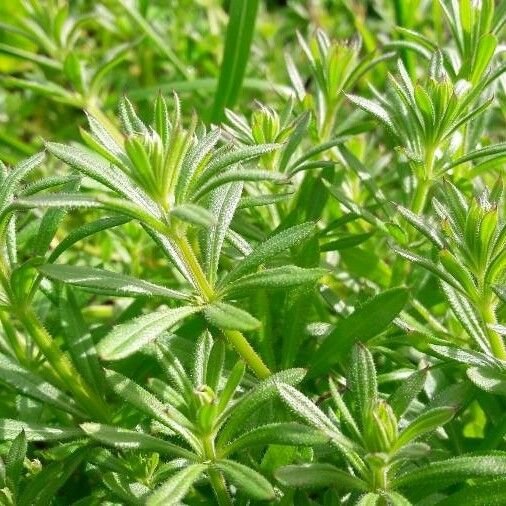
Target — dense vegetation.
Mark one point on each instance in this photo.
(252, 253)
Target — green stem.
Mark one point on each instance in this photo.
(420, 196)
(205, 288)
(216, 478)
(234, 337)
(424, 182)
(61, 364)
(249, 355)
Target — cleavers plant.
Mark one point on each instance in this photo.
(252, 253)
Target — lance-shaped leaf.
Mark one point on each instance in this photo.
(478, 494)
(80, 342)
(252, 483)
(176, 487)
(147, 403)
(277, 278)
(489, 379)
(439, 475)
(98, 169)
(129, 337)
(466, 314)
(270, 248)
(15, 460)
(362, 381)
(107, 282)
(132, 492)
(467, 357)
(236, 175)
(428, 421)
(421, 224)
(286, 433)
(32, 385)
(367, 321)
(225, 316)
(251, 401)
(194, 214)
(9, 429)
(128, 439)
(376, 110)
(305, 409)
(240, 30)
(224, 201)
(428, 265)
(318, 476)
(401, 399)
(86, 230)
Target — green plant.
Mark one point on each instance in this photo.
(286, 287)
(364, 429)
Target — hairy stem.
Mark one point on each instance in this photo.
(234, 337)
(216, 478)
(248, 354)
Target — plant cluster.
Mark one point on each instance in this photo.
(252, 253)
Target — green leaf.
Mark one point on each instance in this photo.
(362, 381)
(401, 399)
(439, 475)
(176, 487)
(224, 201)
(367, 321)
(129, 337)
(252, 483)
(240, 28)
(86, 230)
(489, 379)
(251, 401)
(51, 221)
(269, 249)
(125, 439)
(80, 343)
(277, 278)
(318, 476)
(478, 494)
(374, 109)
(32, 385)
(428, 265)
(194, 214)
(107, 282)
(235, 175)
(345, 242)
(9, 429)
(15, 460)
(285, 433)
(225, 316)
(421, 224)
(370, 499)
(43, 487)
(233, 381)
(428, 421)
(122, 486)
(151, 406)
(305, 409)
(96, 168)
(468, 357)
(466, 314)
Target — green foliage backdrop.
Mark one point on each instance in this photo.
(252, 252)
